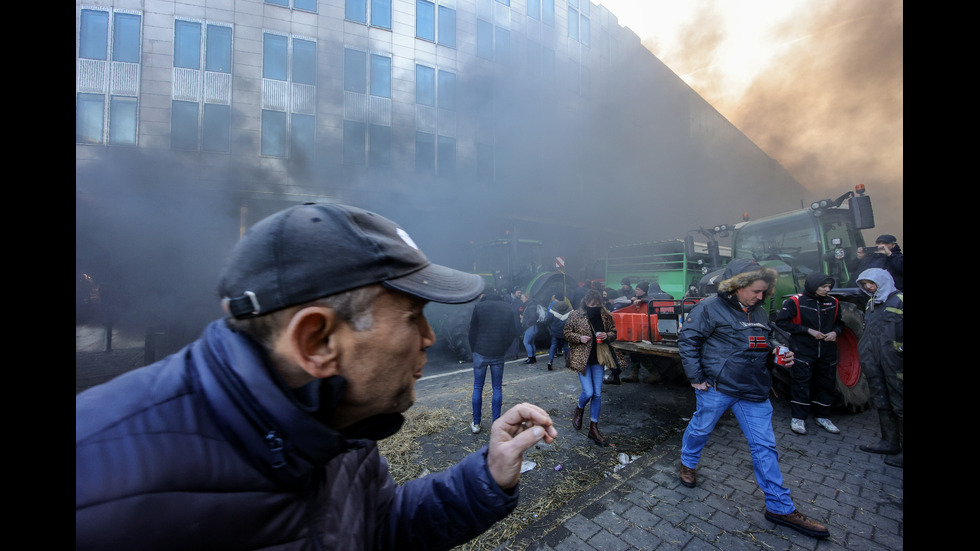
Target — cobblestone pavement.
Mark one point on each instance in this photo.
(644, 506)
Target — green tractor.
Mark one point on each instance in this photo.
(823, 237)
(505, 264)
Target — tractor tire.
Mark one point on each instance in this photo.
(852, 383)
(457, 334)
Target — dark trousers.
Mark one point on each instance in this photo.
(813, 386)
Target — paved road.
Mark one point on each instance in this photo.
(644, 506)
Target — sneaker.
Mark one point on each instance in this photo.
(800, 523)
(475, 427)
(828, 425)
(798, 426)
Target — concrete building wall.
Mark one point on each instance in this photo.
(583, 145)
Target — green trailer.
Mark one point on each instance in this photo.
(672, 264)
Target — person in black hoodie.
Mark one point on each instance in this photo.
(813, 320)
(558, 314)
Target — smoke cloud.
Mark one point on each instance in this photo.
(827, 103)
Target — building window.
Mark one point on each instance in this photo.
(184, 125)
(305, 5)
(126, 38)
(579, 25)
(435, 23)
(492, 42)
(366, 143)
(107, 77)
(360, 77)
(89, 118)
(288, 96)
(435, 147)
(380, 79)
(377, 11)
(275, 56)
(435, 92)
(542, 10)
(200, 117)
(217, 53)
(216, 130)
(425, 85)
(367, 124)
(93, 42)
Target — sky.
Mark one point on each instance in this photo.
(816, 84)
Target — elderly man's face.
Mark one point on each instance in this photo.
(385, 361)
(753, 293)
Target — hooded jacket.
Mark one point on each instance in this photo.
(557, 316)
(529, 316)
(207, 449)
(884, 333)
(815, 312)
(728, 346)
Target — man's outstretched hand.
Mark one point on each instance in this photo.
(519, 428)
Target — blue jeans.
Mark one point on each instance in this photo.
(496, 365)
(555, 343)
(755, 420)
(591, 390)
(529, 336)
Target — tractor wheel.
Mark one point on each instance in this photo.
(852, 383)
(457, 334)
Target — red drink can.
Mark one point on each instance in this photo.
(781, 355)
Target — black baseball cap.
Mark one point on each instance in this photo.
(886, 238)
(316, 250)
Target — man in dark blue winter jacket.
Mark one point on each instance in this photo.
(262, 433)
(725, 350)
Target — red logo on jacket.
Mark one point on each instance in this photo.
(757, 342)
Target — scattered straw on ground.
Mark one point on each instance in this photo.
(433, 439)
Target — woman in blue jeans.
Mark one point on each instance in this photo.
(589, 324)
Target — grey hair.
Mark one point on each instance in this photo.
(353, 307)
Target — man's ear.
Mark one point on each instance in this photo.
(311, 341)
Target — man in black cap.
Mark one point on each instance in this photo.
(263, 432)
(886, 255)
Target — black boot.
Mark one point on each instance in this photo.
(597, 436)
(531, 360)
(549, 366)
(896, 460)
(577, 418)
(890, 443)
(614, 377)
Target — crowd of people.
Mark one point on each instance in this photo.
(317, 360)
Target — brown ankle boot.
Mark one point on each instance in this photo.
(597, 436)
(577, 418)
